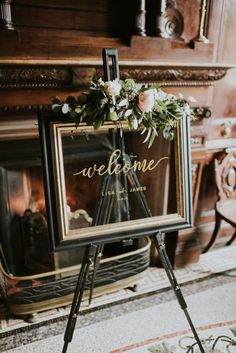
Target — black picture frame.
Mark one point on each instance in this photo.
(51, 129)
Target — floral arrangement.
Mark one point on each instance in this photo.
(145, 106)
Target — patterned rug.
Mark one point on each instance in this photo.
(217, 338)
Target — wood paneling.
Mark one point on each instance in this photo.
(226, 51)
(100, 18)
(76, 31)
(190, 12)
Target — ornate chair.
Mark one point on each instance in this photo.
(225, 208)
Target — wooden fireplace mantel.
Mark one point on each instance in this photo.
(29, 87)
(79, 74)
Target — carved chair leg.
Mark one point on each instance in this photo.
(214, 234)
(230, 241)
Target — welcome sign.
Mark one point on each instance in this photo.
(115, 167)
(106, 185)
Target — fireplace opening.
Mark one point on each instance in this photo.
(30, 270)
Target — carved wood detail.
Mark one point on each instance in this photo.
(173, 21)
(185, 75)
(79, 77)
(30, 77)
(24, 108)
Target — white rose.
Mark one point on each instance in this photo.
(112, 88)
(146, 101)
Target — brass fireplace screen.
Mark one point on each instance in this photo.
(106, 185)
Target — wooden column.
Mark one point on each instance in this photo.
(5, 15)
(161, 7)
(140, 18)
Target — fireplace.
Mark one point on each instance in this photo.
(32, 277)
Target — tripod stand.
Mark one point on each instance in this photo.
(102, 216)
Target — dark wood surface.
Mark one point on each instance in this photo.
(71, 34)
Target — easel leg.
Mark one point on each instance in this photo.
(97, 259)
(78, 295)
(157, 239)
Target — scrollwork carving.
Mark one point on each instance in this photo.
(28, 77)
(24, 108)
(174, 74)
(172, 23)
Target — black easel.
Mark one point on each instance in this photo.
(94, 251)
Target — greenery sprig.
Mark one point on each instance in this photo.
(145, 106)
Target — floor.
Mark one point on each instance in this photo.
(214, 270)
(146, 322)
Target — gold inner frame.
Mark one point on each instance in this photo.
(132, 225)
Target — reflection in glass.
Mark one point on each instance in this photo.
(109, 179)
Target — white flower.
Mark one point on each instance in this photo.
(112, 88)
(146, 101)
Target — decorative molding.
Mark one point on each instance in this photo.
(36, 77)
(175, 74)
(24, 108)
(173, 22)
(219, 144)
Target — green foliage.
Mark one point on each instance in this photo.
(144, 106)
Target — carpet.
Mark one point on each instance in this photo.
(154, 329)
(215, 338)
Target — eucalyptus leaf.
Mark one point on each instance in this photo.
(135, 123)
(56, 107)
(78, 109)
(98, 123)
(123, 102)
(143, 131)
(148, 135)
(168, 133)
(128, 112)
(113, 116)
(65, 108)
(152, 138)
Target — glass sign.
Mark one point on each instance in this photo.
(104, 185)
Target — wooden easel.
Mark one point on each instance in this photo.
(93, 251)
